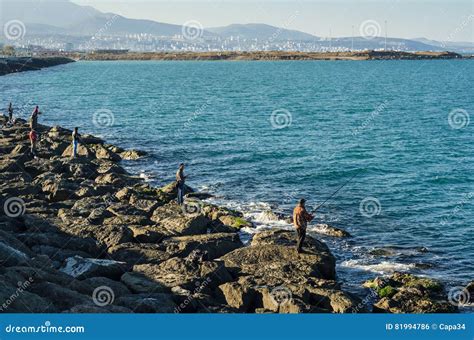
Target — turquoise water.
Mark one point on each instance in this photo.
(386, 118)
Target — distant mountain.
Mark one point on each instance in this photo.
(260, 32)
(379, 43)
(67, 18)
(459, 46)
(59, 13)
(56, 22)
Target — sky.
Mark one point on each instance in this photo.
(443, 20)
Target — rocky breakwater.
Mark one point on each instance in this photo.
(83, 235)
(21, 64)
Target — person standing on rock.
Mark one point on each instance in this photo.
(301, 218)
(10, 114)
(75, 142)
(180, 179)
(34, 118)
(33, 139)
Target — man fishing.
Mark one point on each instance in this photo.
(301, 218)
(34, 118)
(180, 179)
(75, 142)
(10, 114)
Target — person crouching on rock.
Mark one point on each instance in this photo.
(300, 219)
(180, 179)
(75, 142)
(33, 139)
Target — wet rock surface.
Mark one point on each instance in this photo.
(406, 293)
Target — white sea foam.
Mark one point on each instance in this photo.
(384, 267)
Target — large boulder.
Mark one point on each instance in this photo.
(185, 273)
(134, 253)
(60, 297)
(106, 235)
(180, 222)
(103, 153)
(10, 256)
(406, 293)
(273, 254)
(17, 299)
(148, 303)
(214, 245)
(132, 154)
(327, 230)
(82, 151)
(138, 283)
(82, 268)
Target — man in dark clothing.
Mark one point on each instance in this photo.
(34, 118)
(75, 142)
(10, 113)
(301, 218)
(180, 179)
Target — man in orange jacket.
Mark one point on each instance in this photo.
(301, 218)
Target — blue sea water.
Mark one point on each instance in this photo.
(261, 135)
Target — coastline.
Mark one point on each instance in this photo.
(261, 56)
(21, 64)
(84, 224)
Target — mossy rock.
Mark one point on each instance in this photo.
(235, 222)
(387, 291)
(409, 280)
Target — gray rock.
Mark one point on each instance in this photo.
(82, 268)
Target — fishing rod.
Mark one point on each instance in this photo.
(335, 192)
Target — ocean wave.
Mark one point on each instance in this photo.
(384, 267)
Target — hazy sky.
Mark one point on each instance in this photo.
(435, 19)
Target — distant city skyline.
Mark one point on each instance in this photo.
(441, 20)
